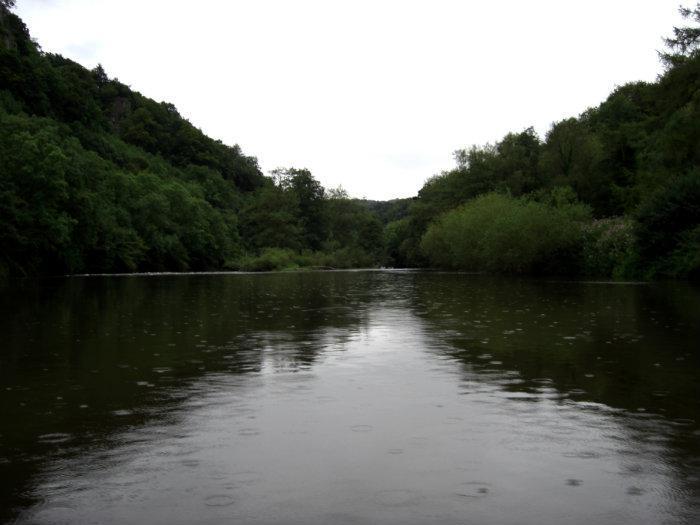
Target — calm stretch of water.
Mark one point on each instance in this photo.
(349, 397)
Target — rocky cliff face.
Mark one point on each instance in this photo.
(14, 35)
(6, 42)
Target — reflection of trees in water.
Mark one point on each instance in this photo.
(628, 347)
(84, 358)
(625, 346)
(135, 349)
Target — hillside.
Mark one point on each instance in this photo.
(95, 177)
(621, 182)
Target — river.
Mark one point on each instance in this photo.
(349, 397)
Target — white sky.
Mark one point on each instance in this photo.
(374, 95)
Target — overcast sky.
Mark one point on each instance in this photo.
(371, 95)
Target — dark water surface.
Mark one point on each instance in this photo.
(349, 397)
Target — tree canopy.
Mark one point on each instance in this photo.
(96, 177)
(685, 41)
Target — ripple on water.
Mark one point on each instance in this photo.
(543, 381)
(472, 489)
(583, 454)
(122, 413)
(180, 451)
(577, 392)
(218, 500)
(682, 422)
(55, 438)
(397, 498)
(362, 428)
(55, 514)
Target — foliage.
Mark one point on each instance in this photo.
(279, 259)
(388, 211)
(396, 240)
(667, 231)
(352, 225)
(308, 193)
(633, 160)
(95, 177)
(499, 233)
(270, 259)
(608, 247)
(270, 217)
(66, 209)
(685, 41)
(684, 260)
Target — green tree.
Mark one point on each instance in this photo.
(34, 196)
(270, 218)
(668, 224)
(685, 41)
(309, 194)
(497, 233)
(350, 224)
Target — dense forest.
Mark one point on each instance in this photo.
(95, 177)
(613, 192)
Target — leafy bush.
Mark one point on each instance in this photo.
(667, 228)
(276, 259)
(499, 233)
(270, 259)
(608, 247)
(684, 261)
(349, 257)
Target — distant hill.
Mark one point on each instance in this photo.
(388, 211)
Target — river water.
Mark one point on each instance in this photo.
(349, 397)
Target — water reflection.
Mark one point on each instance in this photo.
(627, 352)
(85, 357)
(340, 397)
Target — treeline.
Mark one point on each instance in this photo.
(95, 177)
(614, 192)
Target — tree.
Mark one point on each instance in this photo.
(270, 218)
(349, 223)
(8, 4)
(100, 75)
(668, 228)
(518, 156)
(685, 41)
(309, 194)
